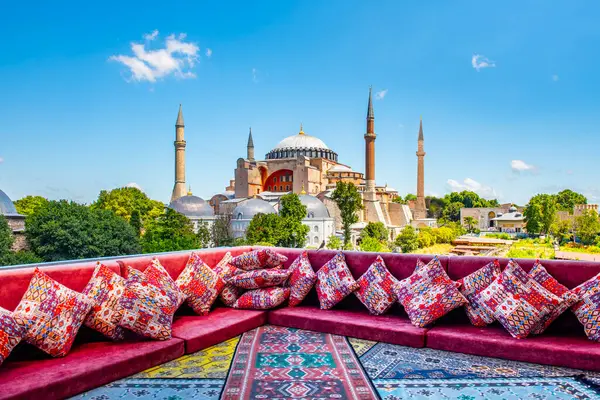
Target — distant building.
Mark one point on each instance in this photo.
(485, 215)
(195, 208)
(16, 221)
(512, 222)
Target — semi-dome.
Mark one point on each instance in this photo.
(314, 207)
(340, 168)
(6, 205)
(301, 145)
(192, 207)
(249, 208)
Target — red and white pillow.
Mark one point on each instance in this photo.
(11, 333)
(200, 284)
(261, 278)
(225, 270)
(262, 258)
(334, 282)
(475, 283)
(587, 309)
(262, 299)
(158, 276)
(302, 279)
(52, 313)
(376, 288)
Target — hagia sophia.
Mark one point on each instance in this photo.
(305, 165)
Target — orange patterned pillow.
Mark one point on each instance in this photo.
(201, 284)
(262, 299)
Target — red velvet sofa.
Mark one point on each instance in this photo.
(95, 361)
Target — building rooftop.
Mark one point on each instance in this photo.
(7, 207)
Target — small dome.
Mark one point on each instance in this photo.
(512, 209)
(314, 207)
(340, 168)
(249, 208)
(6, 205)
(192, 207)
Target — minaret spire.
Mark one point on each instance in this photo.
(370, 114)
(420, 207)
(179, 118)
(179, 187)
(370, 150)
(421, 129)
(250, 147)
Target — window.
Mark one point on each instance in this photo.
(287, 188)
(280, 188)
(311, 214)
(240, 216)
(269, 188)
(316, 240)
(316, 229)
(275, 180)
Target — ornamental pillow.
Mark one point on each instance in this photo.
(200, 284)
(302, 279)
(262, 299)
(587, 309)
(11, 333)
(53, 314)
(428, 294)
(145, 308)
(473, 284)
(105, 289)
(225, 270)
(263, 258)
(158, 276)
(261, 278)
(541, 276)
(334, 282)
(517, 301)
(376, 288)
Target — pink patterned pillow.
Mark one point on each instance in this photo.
(517, 301)
(158, 276)
(301, 280)
(200, 284)
(541, 276)
(587, 309)
(334, 282)
(105, 289)
(11, 333)
(474, 283)
(428, 294)
(262, 299)
(225, 270)
(376, 288)
(261, 278)
(263, 258)
(44, 304)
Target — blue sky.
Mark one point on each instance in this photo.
(508, 92)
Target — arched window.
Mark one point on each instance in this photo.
(316, 228)
(287, 188)
(280, 188)
(240, 216)
(316, 240)
(311, 214)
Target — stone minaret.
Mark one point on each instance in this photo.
(250, 147)
(179, 188)
(370, 151)
(420, 209)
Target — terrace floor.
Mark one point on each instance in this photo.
(273, 362)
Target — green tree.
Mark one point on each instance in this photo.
(28, 204)
(587, 226)
(20, 257)
(63, 230)
(376, 230)
(136, 222)
(562, 229)
(123, 201)
(444, 234)
(264, 228)
(334, 243)
(567, 199)
(452, 211)
(203, 235)
(348, 200)
(435, 206)
(6, 237)
(292, 212)
(221, 231)
(425, 238)
(369, 243)
(407, 240)
(470, 223)
(171, 231)
(540, 213)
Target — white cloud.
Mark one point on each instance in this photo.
(208, 53)
(521, 166)
(177, 58)
(555, 78)
(478, 61)
(134, 185)
(254, 75)
(472, 185)
(381, 94)
(151, 36)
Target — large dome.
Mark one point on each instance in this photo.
(301, 145)
(6, 205)
(249, 208)
(314, 207)
(301, 141)
(192, 207)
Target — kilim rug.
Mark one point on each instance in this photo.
(279, 363)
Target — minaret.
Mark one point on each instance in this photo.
(420, 209)
(250, 147)
(179, 188)
(370, 151)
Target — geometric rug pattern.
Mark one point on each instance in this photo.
(395, 372)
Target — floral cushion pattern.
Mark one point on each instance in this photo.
(53, 314)
(158, 276)
(200, 284)
(428, 294)
(587, 309)
(334, 282)
(517, 301)
(302, 279)
(541, 276)
(105, 289)
(376, 288)
(261, 278)
(473, 284)
(11, 333)
(262, 299)
(263, 258)
(225, 270)
(145, 308)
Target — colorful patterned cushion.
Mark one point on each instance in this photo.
(105, 289)
(428, 294)
(474, 283)
(200, 284)
(225, 270)
(261, 278)
(334, 282)
(517, 301)
(587, 309)
(145, 307)
(541, 276)
(302, 279)
(53, 314)
(376, 288)
(263, 258)
(11, 333)
(158, 276)
(262, 299)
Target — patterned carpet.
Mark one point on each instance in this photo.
(396, 372)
